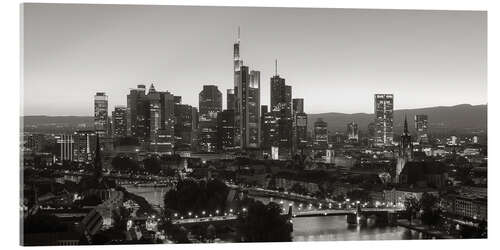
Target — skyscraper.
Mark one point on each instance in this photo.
(298, 105)
(352, 132)
(119, 117)
(101, 112)
(84, 143)
(210, 104)
(247, 103)
(153, 98)
(164, 136)
(225, 130)
(320, 134)
(183, 125)
(281, 104)
(210, 100)
(421, 125)
(384, 119)
(299, 130)
(138, 113)
(230, 99)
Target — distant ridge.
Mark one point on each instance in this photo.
(463, 117)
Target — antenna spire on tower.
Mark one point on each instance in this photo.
(238, 33)
(275, 67)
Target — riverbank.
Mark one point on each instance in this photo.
(438, 234)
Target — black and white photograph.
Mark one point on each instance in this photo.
(166, 124)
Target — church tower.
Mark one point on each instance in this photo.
(405, 152)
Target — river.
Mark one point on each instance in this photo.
(321, 228)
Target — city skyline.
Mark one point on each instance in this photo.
(259, 47)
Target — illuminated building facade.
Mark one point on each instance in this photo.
(119, 118)
(101, 112)
(352, 132)
(281, 105)
(421, 126)
(384, 119)
(138, 113)
(210, 104)
(225, 130)
(320, 134)
(230, 98)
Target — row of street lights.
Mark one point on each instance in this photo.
(204, 214)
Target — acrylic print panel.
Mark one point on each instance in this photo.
(176, 124)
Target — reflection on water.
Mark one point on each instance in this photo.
(331, 228)
(321, 228)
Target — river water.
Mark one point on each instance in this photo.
(321, 228)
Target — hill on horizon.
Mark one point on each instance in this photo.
(463, 117)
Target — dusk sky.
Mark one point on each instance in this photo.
(336, 59)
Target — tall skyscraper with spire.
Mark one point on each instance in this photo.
(247, 103)
(281, 106)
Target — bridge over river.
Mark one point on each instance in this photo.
(354, 216)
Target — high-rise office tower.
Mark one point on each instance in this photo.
(384, 119)
(352, 132)
(153, 98)
(320, 141)
(247, 103)
(183, 125)
(164, 139)
(210, 104)
(210, 100)
(138, 113)
(281, 104)
(151, 118)
(230, 99)
(119, 117)
(225, 130)
(299, 129)
(195, 129)
(84, 145)
(421, 125)
(270, 131)
(101, 113)
(298, 105)
(247, 113)
(66, 143)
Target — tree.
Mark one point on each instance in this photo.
(430, 211)
(264, 223)
(152, 165)
(297, 188)
(123, 163)
(197, 196)
(411, 207)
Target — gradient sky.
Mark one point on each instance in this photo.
(335, 59)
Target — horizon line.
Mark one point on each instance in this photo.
(441, 106)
